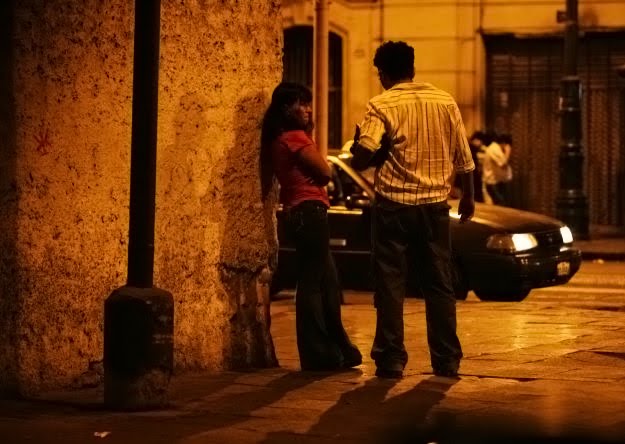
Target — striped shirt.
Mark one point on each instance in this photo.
(428, 142)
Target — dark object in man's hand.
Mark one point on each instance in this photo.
(364, 158)
(356, 134)
(380, 156)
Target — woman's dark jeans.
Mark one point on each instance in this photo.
(424, 229)
(322, 341)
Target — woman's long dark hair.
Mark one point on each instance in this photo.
(276, 120)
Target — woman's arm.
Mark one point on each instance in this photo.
(315, 164)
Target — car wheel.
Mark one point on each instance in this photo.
(459, 281)
(502, 295)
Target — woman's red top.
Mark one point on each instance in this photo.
(296, 185)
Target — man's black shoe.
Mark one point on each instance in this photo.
(446, 373)
(389, 374)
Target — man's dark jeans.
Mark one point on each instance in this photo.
(424, 229)
(322, 341)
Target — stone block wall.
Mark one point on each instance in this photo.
(219, 64)
(65, 108)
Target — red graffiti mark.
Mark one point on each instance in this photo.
(43, 141)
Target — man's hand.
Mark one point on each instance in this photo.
(466, 208)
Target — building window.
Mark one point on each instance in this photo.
(297, 62)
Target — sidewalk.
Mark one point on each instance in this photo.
(607, 248)
(545, 370)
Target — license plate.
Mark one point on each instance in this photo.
(564, 268)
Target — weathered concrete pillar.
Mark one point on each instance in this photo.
(215, 238)
(63, 211)
(65, 108)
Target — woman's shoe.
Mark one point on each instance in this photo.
(352, 358)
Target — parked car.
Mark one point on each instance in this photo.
(501, 254)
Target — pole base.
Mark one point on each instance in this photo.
(138, 348)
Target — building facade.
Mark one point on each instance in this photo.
(502, 61)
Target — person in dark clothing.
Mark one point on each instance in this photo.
(505, 141)
(302, 172)
(476, 144)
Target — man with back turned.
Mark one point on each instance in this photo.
(414, 134)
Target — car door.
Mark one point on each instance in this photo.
(349, 218)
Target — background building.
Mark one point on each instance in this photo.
(502, 61)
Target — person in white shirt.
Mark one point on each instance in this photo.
(496, 169)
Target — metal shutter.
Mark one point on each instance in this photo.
(523, 78)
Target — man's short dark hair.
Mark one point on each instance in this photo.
(395, 59)
(477, 135)
(490, 136)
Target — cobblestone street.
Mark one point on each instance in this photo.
(548, 369)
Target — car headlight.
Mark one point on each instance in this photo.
(511, 242)
(567, 236)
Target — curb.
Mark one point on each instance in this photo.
(606, 256)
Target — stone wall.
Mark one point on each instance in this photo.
(66, 96)
(219, 64)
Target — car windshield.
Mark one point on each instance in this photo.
(342, 186)
(368, 175)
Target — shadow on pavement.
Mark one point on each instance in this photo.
(372, 414)
(220, 404)
(81, 402)
(230, 410)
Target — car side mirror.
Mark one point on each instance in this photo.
(360, 201)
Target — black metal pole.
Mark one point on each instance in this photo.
(571, 202)
(139, 318)
(143, 143)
